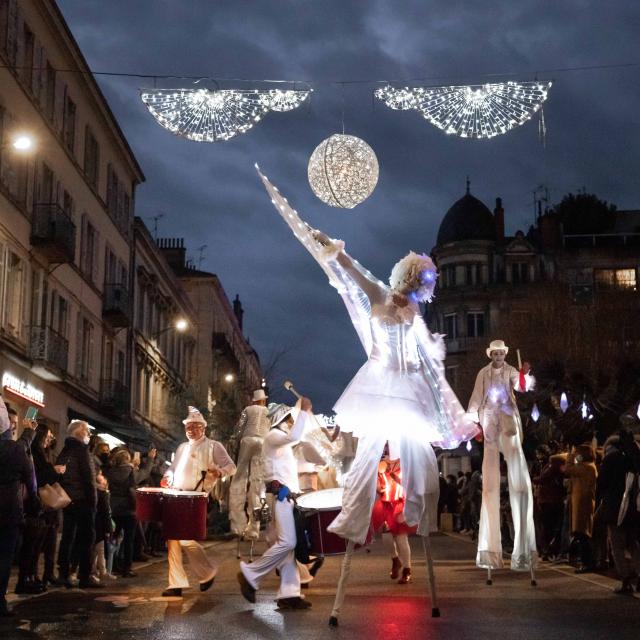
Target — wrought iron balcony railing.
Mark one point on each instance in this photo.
(48, 348)
(116, 305)
(53, 233)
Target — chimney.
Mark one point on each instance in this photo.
(498, 216)
(238, 310)
(550, 234)
(174, 252)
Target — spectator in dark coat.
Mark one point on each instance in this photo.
(78, 524)
(46, 473)
(622, 459)
(550, 495)
(16, 471)
(122, 484)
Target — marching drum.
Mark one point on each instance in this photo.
(320, 509)
(184, 515)
(149, 504)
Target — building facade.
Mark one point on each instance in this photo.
(226, 368)
(66, 228)
(539, 291)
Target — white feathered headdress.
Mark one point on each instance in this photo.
(415, 275)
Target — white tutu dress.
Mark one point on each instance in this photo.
(399, 395)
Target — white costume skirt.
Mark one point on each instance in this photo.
(414, 404)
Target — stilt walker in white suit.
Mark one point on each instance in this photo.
(199, 461)
(493, 405)
(252, 428)
(402, 383)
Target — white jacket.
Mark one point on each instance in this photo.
(280, 462)
(192, 458)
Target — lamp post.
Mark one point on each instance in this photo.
(180, 325)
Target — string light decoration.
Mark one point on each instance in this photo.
(471, 111)
(343, 171)
(212, 116)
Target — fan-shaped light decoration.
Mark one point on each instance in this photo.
(469, 447)
(535, 413)
(343, 171)
(471, 111)
(211, 116)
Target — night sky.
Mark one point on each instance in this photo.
(210, 194)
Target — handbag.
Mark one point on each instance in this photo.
(54, 497)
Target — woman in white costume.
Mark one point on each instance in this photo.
(493, 405)
(402, 383)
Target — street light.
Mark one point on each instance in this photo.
(229, 377)
(23, 143)
(180, 325)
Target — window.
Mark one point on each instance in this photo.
(120, 366)
(14, 293)
(45, 195)
(88, 249)
(67, 203)
(26, 73)
(112, 192)
(472, 274)
(50, 92)
(107, 359)
(451, 326)
(619, 278)
(519, 272)
(69, 123)
(59, 312)
(448, 277)
(475, 324)
(91, 157)
(85, 349)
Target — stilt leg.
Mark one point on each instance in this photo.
(342, 584)
(238, 555)
(426, 545)
(489, 580)
(251, 551)
(534, 582)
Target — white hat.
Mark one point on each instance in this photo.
(259, 394)
(194, 416)
(278, 412)
(497, 345)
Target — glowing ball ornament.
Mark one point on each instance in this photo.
(343, 171)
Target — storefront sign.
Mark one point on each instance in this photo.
(23, 389)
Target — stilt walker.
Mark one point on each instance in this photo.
(493, 406)
(402, 383)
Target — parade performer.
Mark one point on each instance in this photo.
(493, 406)
(387, 510)
(402, 382)
(281, 480)
(252, 428)
(198, 464)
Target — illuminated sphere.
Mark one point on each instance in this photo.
(343, 171)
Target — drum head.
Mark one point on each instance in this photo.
(150, 490)
(183, 494)
(326, 500)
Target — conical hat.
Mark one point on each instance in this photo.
(194, 416)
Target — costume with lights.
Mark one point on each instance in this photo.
(187, 473)
(252, 427)
(387, 510)
(493, 405)
(281, 478)
(402, 383)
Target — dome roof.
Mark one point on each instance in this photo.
(467, 219)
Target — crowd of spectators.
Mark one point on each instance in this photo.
(586, 506)
(100, 536)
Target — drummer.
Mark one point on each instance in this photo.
(197, 465)
(281, 478)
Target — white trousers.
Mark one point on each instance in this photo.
(200, 564)
(249, 469)
(520, 498)
(278, 556)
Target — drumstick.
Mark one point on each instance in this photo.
(519, 360)
(288, 385)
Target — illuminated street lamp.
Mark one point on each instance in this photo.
(229, 377)
(23, 143)
(180, 325)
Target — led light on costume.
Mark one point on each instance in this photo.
(469, 445)
(584, 410)
(471, 111)
(212, 116)
(638, 411)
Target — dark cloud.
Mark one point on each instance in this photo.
(210, 193)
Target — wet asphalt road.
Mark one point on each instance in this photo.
(562, 606)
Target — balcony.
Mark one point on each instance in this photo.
(49, 352)
(53, 233)
(114, 396)
(116, 305)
